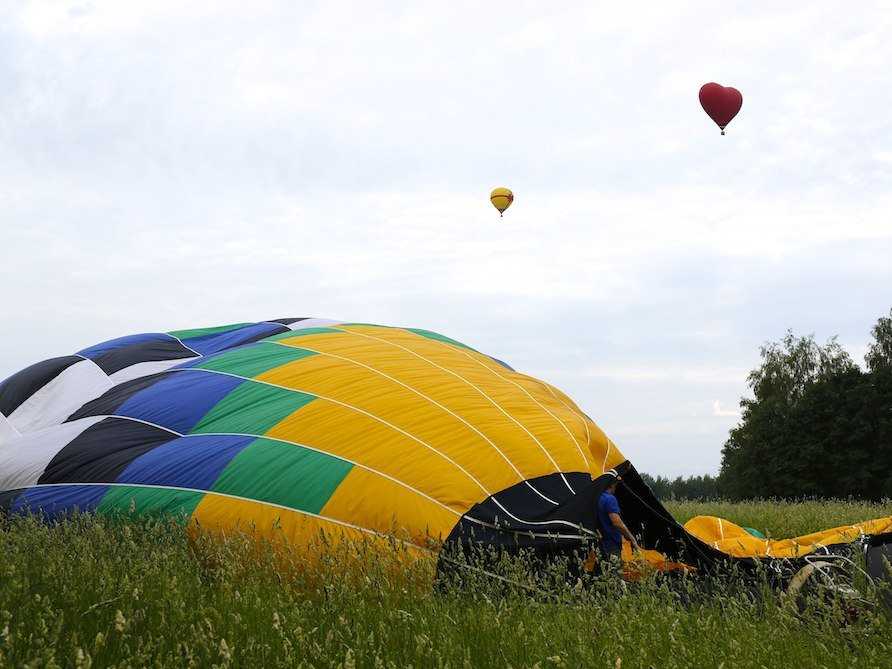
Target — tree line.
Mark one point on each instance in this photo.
(817, 425)
(691, 487)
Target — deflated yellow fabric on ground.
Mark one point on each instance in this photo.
(737, 542)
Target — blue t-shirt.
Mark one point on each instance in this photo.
(611, 539)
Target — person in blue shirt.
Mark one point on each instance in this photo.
(613, 529)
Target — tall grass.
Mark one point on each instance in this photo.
(96, 592)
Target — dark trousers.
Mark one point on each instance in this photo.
(610, 558)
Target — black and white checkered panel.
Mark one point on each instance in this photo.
(47, 393)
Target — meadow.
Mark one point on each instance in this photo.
(103, 593)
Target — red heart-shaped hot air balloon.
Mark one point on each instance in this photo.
(721, 103)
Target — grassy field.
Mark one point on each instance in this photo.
(92, 592)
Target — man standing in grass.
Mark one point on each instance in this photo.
(613, 529)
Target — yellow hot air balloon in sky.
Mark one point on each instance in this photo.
(501, 199)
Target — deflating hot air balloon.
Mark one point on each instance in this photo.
(295, 426)
(721, 103)
(501, 199)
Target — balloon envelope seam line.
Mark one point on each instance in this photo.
(188, 348)
(521, 425)
(351, 408)
(384, 422)
(291, 443)
(371, 470)
(606, 455)
(229, 496)
(541, 406)
(394, 427)
(414, 390)
(119, 484)
(483, 394)
(144, 422)
(461, 378)
(588, 434)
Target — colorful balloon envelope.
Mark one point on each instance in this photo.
(721, 103)
(297, 427)
(501, 199)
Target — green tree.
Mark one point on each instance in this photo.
(833, 437)
(879, 362)
(817, 425)
(879, 352)
(763, 455)
(692, 487)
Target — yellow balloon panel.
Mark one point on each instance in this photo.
(309, 536)
(220, 513)
(536, 422)
(373, 398)
(333, 429)
(475, 421)
(389, 508)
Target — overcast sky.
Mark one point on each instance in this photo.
(167, 165)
